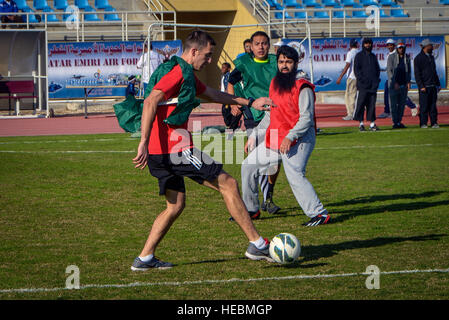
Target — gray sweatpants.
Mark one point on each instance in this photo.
(262, 160)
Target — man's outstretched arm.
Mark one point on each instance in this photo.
(214, 95)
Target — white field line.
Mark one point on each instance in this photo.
(218, 281)
(224, 151)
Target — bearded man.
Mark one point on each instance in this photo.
(290, 134)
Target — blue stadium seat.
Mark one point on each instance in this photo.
(300, 15)
(272, 3)
(31, 17)
(51, 17)
(102, 4)
(60, 4)
(348, 3)
(40, 4)
(90, 16)
(359, 13)
(445, 2)
(278, 15)
(111, 16)
(339, 14)
(387, 3)
(397, 12)
(329, 3)
(290, 3)
(321, 14)
(369, 3)
(22, 4)
(310, 3)
(82, 4)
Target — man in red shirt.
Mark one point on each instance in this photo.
(289, 131)
(168, 151)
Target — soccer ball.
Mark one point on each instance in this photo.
(285, 248)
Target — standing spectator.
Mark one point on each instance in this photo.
(351, 82)
(9, 6)
(148, 63)
(246, 48)
(131, 89)
(367, 72)
(399, 76)
(277, 45)
(232, 122)
(428, 84)
(391, 45)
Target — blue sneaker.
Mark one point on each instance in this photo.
(259, 254)
(139, 265)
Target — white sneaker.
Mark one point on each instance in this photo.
(414, 111)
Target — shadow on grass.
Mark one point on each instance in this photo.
(324, 133)
(394, 207)
(386, 197)
(310, 253)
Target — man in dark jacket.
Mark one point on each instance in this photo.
(428, 84)
(399, 75)
(367, 72)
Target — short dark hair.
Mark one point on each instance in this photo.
(227, 64)
(260, 33)
(289, 52)
(246, 41)
(199, 38)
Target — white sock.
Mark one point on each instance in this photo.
(361, 124)
(146, 258)
(260, 243)
(372, 124)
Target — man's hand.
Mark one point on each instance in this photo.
(338, 81)
(409, 86)
(423, 89)
(250, 145)
(235, 110)
(141, 159)
(285, 145)
(260, 104)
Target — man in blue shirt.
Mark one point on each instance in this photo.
(9, 6)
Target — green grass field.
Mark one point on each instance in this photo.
(77, 200)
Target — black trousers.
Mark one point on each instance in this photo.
(365, 100)
(428, 106)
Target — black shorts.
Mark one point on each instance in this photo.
(170, 169)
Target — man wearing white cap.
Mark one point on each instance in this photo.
(428, 84)
(277, 45)
(391, 46)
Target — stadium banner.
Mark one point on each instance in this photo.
(329, 57)
(98, 64)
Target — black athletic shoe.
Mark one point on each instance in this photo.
(374, 128)
(319, 219)
(362, 128)
(253, 215)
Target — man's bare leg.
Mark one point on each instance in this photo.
(175, 205)
(229, 189)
